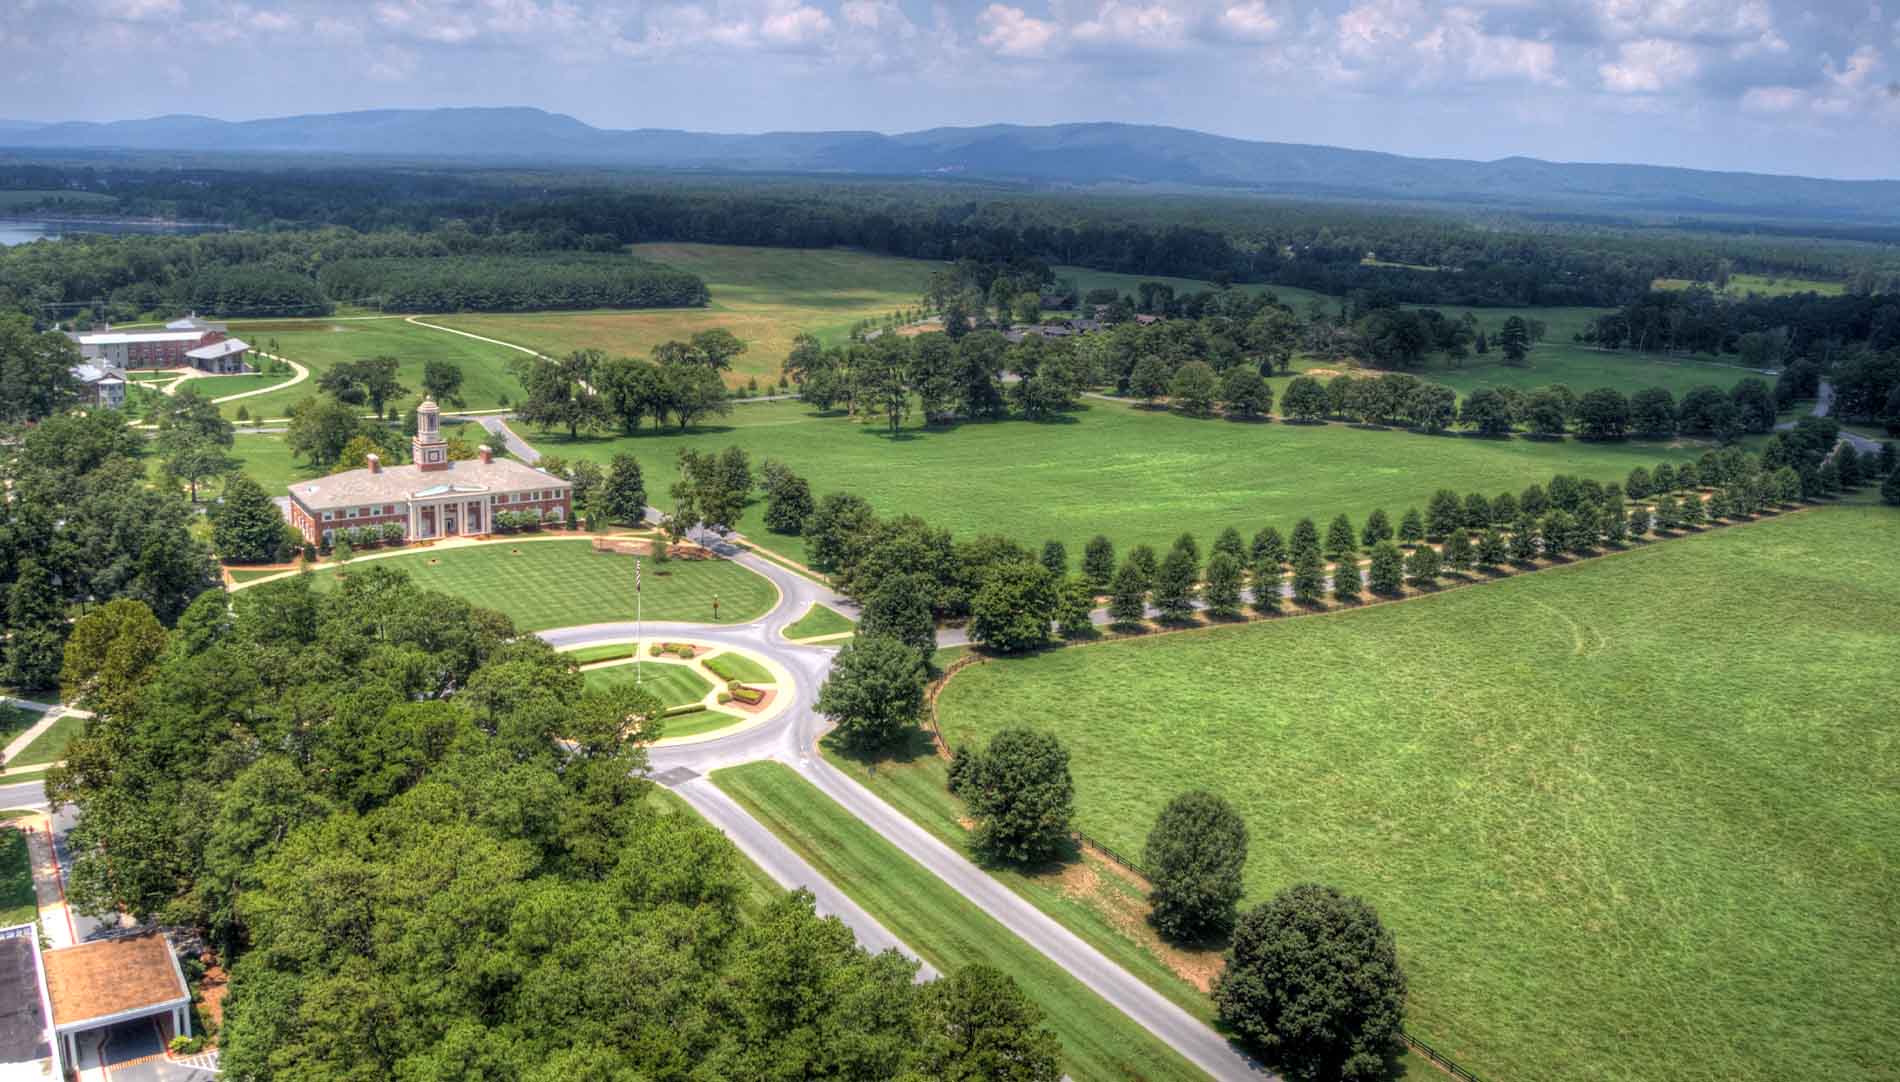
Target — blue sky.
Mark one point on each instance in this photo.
(1765, 85)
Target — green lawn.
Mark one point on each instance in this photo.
(319, 344)
(1099, 1042)
(608, 652)
(1137, 475)
(219, 386)
(820, 620)
(676, 685)
(695, 722)
(563, 583)
(49, 746)
(730, 666)
(15, 720)
(1625, 819)
(18, 904)
(763, 295)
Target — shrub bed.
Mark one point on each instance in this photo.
(677, 649)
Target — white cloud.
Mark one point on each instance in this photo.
(1249, 21)
(798, 25)
(1771, 99)
(1649, 65)
(1013, 32)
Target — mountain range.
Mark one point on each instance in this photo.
(1076, 155)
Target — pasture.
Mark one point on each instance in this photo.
(559, 583)
(1759, 285)
(1099, 1043)
(1137, 475)
(763, 295)
(1626, 819)
(320, 344)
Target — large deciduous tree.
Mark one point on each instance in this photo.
(1313, 984)
(874, 692)
(1020, 794)
(1195, 855)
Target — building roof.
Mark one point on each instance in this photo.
(352, 488)
(97, 373)
(193, 323)
(218, 349)
(26, 1037)
(114, 338)
(98, 981)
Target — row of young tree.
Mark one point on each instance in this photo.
(505, 862)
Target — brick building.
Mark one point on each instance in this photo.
(431, 496)
(184, 343)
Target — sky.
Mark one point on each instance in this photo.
(1762, 85)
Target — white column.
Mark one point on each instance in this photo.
(72, 1053)
(184, 1021)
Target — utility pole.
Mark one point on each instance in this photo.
(639, 626)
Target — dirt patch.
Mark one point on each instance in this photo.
(1119, 895)
(211, 988)
(1329, 373)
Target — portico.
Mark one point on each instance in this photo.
(449, 511)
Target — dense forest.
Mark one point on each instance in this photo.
(305, 271)
(1417, 255)
(510, 283)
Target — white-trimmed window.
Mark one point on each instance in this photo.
(328, 515)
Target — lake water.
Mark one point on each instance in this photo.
(26, 230)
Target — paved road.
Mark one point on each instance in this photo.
(518, 447)
(792, 738)
(1824, 402)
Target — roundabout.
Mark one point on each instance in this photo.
(702, 684)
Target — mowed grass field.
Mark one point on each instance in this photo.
(676, 685)
(1137, 475)
(763, 295)
(544, 584)
(1559, 359)
(1742, 285)
(319, 344)
(1099, 1043)
(1628, 820)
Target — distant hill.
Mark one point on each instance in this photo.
(1082, 155)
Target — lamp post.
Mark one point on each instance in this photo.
(639, 625)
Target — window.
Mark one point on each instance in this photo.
(327, 515)
(352, 513)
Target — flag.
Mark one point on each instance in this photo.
(636, 574)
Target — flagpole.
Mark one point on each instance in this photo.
(639, 624)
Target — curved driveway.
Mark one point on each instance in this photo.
(792, 739)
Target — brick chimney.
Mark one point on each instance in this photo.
(375, 462)
(487, 453)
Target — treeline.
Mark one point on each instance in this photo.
(505, 859)
(510, 283)
(1431, 258)
(1764, 331)
(84, 277)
